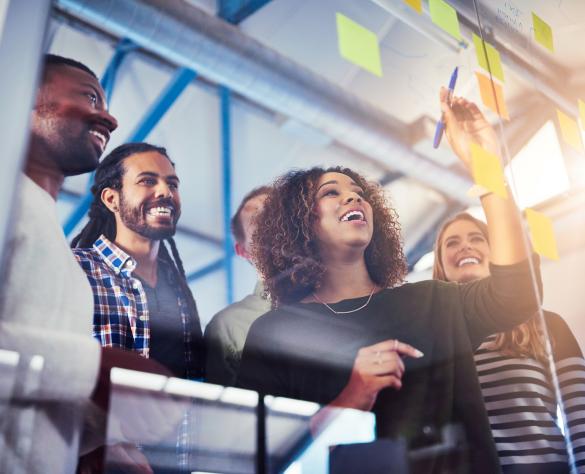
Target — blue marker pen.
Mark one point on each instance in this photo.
(440, 123)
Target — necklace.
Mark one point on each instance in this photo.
(351, 310)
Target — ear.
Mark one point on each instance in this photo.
(242, 252)
(111, 199)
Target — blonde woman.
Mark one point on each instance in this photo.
(513, 369)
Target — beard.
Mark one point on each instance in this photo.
(66, 140)
(135, 220)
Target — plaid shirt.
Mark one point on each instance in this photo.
(120, 307)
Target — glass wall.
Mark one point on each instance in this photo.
(415, 310)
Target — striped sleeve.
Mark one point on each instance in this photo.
(571, 375)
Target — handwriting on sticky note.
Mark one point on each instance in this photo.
(488, 58)
(487, 170)
(542, 32)
(358, 45)
(570, 131)
(542, 234)
(445, 16)
(492, 95)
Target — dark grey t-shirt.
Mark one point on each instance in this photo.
(167, 340)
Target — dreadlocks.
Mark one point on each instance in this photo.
(109, 174)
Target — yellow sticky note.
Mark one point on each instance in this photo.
(445, 17)
(415, 5)
(492, 62)
(542, 233)
(542, 32)
(487, 170)
(570, 131)
(358, 45)
(492, 95)
(582, 113)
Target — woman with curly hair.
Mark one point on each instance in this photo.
(513, 366)
(345, 331)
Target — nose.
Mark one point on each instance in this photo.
(163, 190)
(108, 120)
(353, 196)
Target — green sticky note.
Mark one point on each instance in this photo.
(542, 32)
(358, 45)
(445, 17)
(492, 60)
(416, 5)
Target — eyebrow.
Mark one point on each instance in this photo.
(473, 234)
(156, 175)
(333, 181)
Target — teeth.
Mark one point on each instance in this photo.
(467, 260)
(100, 136)
(160, 211)
(347, 216)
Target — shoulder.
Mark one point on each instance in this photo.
(563, 340)
(245, 311)
(87, 256)
(422, 290)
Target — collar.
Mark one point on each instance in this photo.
(114, 257)
(259, 290)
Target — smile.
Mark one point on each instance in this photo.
(353, 215)
(468, 261)
(101, 137)
(161, 211)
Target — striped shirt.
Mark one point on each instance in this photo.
(522, 408)
(121, 316)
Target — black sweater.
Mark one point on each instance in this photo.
(304, 351)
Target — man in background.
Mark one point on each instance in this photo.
(226, 333)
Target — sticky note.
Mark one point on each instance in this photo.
(445, 17)
(415, 5)
(542, 234)
(582, 113)
(487, 170)
(358, 45)
(570, 131)
(542, 32)
(496, 102)
(492, 60)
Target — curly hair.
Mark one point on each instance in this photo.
(526, 339)
(285, 242)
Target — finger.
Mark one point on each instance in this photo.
(407, 350)
(388, 381)
(392, 362)
(393, 345)
(390, 367)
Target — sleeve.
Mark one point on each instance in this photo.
(60, 380)
(501, 301)
(570, 367)
(220, 365)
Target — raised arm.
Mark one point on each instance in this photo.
(465, 124)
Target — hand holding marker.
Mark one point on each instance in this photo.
(441, 124)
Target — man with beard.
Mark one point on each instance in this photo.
(45, 301)
(142, 300)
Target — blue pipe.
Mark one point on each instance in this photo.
(226, 158)
(206, 270)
